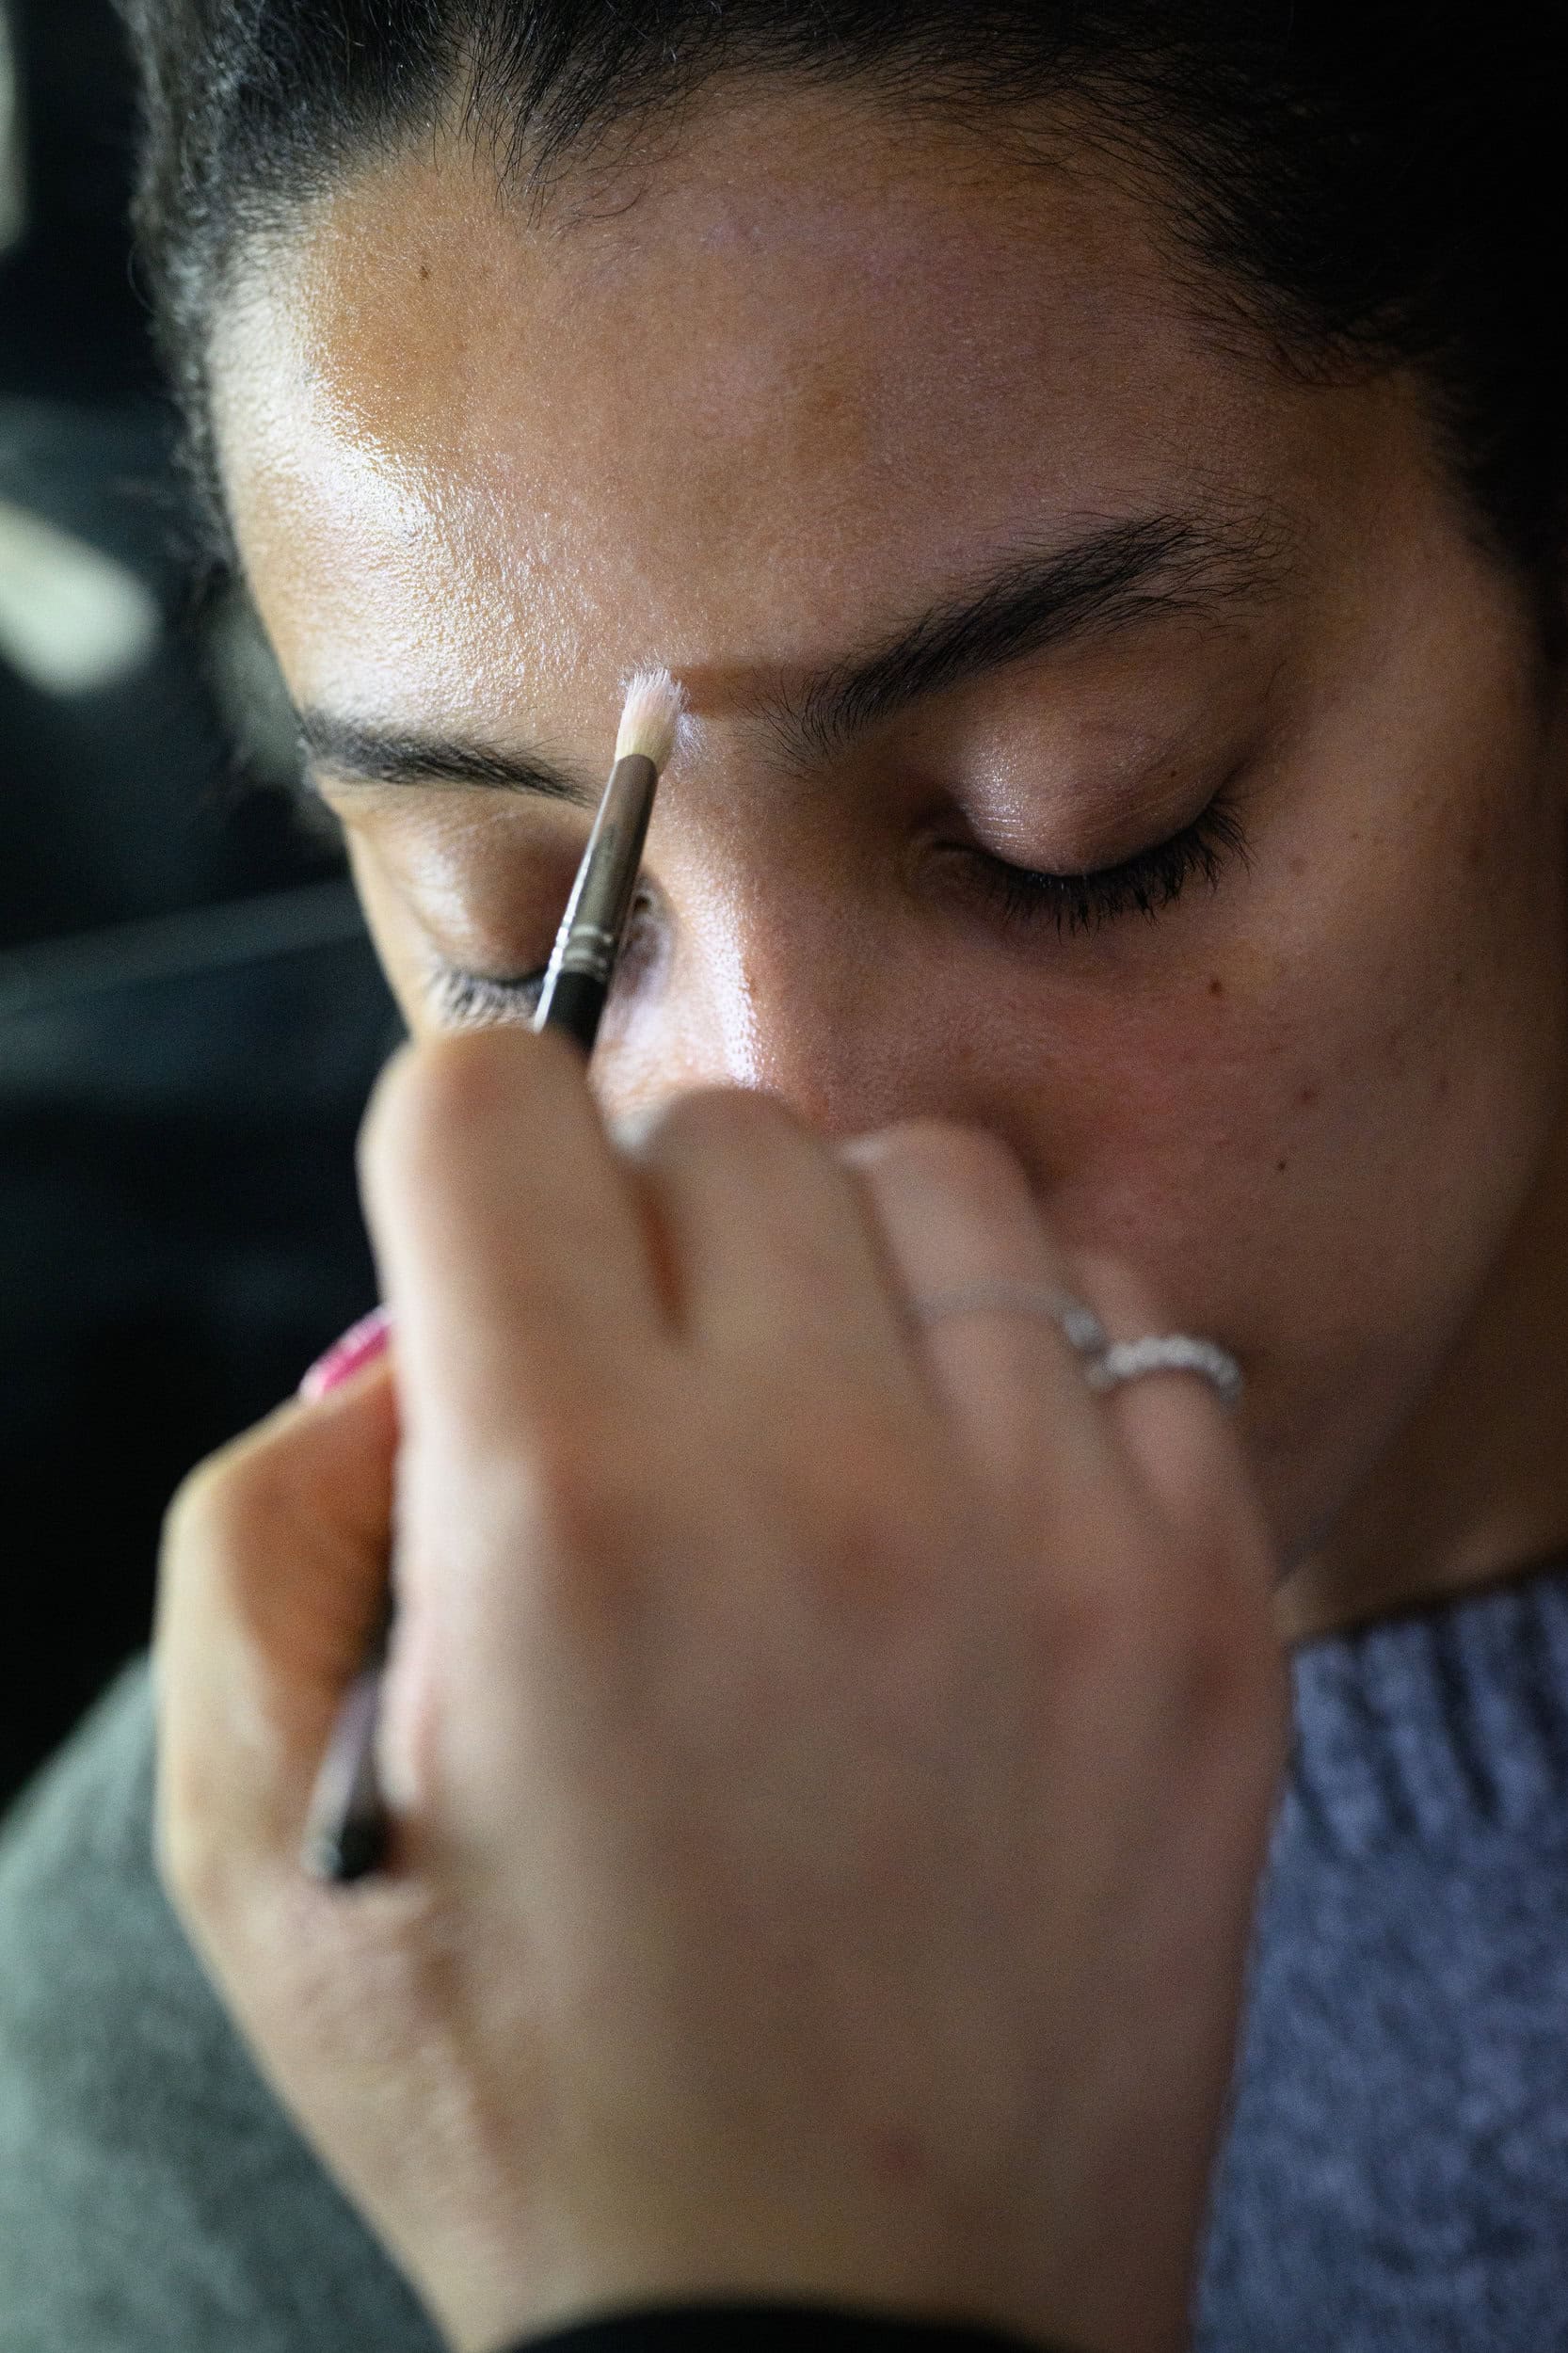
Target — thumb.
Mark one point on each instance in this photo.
(271, 1583)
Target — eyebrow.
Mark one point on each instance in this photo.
(361, 754)
(1111, 577)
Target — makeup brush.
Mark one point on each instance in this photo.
(346, 1826)
(578, 978)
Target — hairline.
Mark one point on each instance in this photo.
(1254, 325)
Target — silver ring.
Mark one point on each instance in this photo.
(1168, 1351)
(1108, 1364)
(1080, 1327)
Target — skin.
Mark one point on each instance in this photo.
(908, 1981)
(829, 1763)
(757, 409)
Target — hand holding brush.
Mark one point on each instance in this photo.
(832, 1747)
(347, 1827)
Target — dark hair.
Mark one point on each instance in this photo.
(1376, 182)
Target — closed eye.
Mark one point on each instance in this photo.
(1068, 903)
(462, 1000)
(1144, 885)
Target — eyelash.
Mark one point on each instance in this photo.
(462, 998)
(1070, 903)
(1144, 885)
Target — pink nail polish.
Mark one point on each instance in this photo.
(359, 1346)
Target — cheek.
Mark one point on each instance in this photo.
(1316, 1149)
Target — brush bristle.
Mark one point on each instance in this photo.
(651, 719)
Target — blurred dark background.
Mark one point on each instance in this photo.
(190, 1017)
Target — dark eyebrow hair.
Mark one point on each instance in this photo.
(361, 754)
(1115, 574)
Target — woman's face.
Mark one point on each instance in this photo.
(979, 543)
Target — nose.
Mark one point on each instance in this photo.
(831, 1000)
(756, 995)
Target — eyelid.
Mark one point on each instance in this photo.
(462, 998)
(465, 995)
(1146, 883)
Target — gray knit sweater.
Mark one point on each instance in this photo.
(1396, 2179)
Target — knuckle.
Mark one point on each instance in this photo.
(188, 1854)
(213, 1503)
(1218, 1671)
(227, 1492)
(1083, 1634)
(1123, 1298)
(841, 1461)
(435, 1092)
(225, 1516)
(583, 1502)
(738, 1122)
(1162, 1620)
(190, 1509)
(867, 1515)
(949, 1157)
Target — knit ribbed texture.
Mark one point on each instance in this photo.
(1396, 2179)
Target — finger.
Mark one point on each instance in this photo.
(273, 1573)
(1181, 1442)
(775, 1259)
(956, 1209)
(509, 1239)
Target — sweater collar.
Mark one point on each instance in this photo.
(1439, 1725)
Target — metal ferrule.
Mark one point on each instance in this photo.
(590, 950)
(589, 938)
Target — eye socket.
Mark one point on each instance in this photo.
(1143, 884)
(460, 998)
(1021, 896)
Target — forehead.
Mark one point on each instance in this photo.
(727, 408)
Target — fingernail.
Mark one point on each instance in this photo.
(359, 1346)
